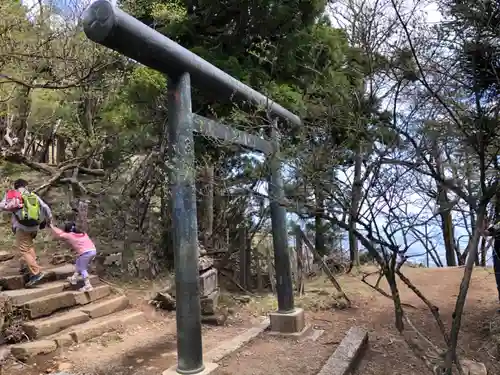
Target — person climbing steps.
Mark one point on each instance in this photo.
(81, 243)
(29, 214)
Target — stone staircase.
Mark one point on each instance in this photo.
(57, 314)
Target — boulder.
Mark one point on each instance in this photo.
(473, 368)
(243, 299)
(217, 319)
(469, 367)
(164, 300)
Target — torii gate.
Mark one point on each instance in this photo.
(109, 26)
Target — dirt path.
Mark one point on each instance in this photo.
(388, 354)
(151, 347)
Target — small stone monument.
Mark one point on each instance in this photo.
(209, 287)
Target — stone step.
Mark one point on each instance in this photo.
(105, 307)
(97, 327)
(18, 281)
(5, 256)
(43, 327)
(26, 350)
(19, 297)
(76, 334)
(47, 305)
(39, 328)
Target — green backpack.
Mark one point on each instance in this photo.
(29, 214)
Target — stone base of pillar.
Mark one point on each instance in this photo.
(209, 368)
(292, 323)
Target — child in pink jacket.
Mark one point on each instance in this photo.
(83, 246)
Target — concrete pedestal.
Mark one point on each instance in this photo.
(209, 368)
(291, 323)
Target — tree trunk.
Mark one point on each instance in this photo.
(43, 154)
(60, 150)
(462, 295)
(207, 205)
(47, 142)
(300, 268)
(448, 238)
(445, 214)
(20, 123)
(483, 248)
(245, 259)
(88, 107)
(319, 241)
(82, 219)
(355, 202)
(86, 113)
(258, 265)
(270, 269)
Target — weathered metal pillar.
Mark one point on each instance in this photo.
(184, 226)
(284, 285)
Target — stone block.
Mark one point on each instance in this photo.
(97, 327)
(13, 282)
(209, 369)
(17, 281)
(113, 259)
(208, 282)
(292, 322)
(132, 317)
(5, 255)
(45, 306)
(49, 326)
(96, 310)
(61, 259)
(94, 329)
(204, 263)
(230, 346)
(64, 340)
(99, 292)
(63, 271)
(209, 303)
(21, 296)
(345, 358)
(27, 350)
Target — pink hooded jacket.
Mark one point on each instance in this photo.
(80, 242)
